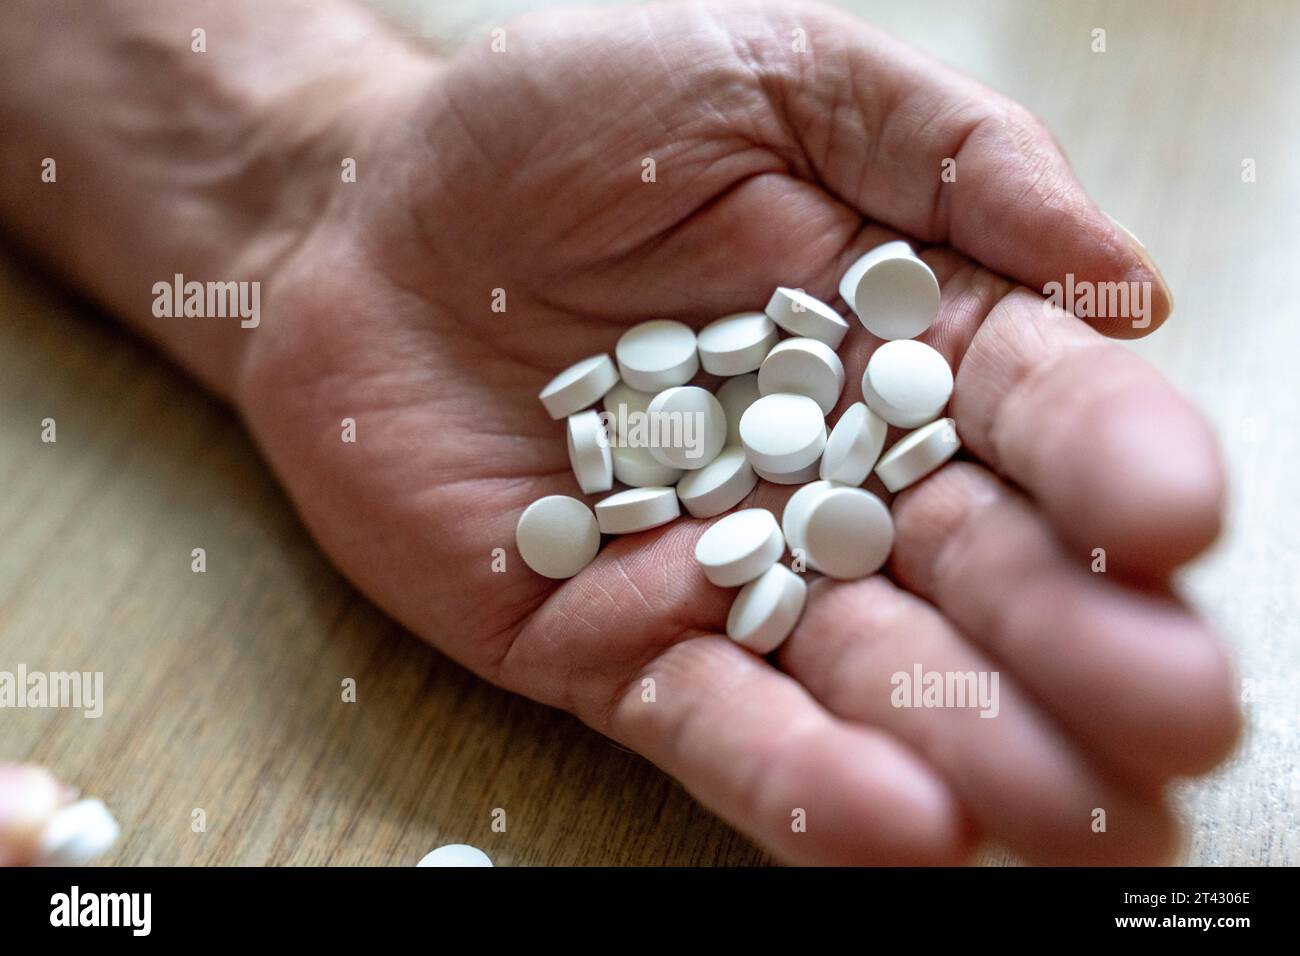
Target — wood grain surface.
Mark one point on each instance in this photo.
(222, 688)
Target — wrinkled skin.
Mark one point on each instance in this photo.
(522, 171)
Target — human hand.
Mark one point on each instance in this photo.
(522, 171)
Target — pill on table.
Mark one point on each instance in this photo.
(635, 467)
(625, 405)
(767, 609)
(691, 427)
(805, 367)
(637, 509)
(557, 536)
(578, 386)
(907, 383)
(76, 834)
(783, 433)
(740, 547)
(847, 533)
(800, 314)
(795, 516)
(853, 446)
(894, 293)
(719, 485)
(656, 355)
(736, 344)
(455, 854)
(918, 453)
(589, 453)
(735, 395)
(799, 476)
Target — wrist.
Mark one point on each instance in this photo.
(210, 158)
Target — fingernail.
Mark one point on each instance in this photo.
(1140, 250)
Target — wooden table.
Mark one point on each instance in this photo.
(221, 688)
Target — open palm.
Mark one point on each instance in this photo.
(783, 142)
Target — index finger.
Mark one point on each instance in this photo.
(921, 148)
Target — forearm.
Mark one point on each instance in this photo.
(130, 156)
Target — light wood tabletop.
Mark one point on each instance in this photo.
(222, 694)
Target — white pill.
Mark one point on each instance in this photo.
(896, 295)
(853, 446)
(740, 547)
(907, 383)
(637, 468)
(557, 536)
(578, 386)
(455, 854)
(735, 395)
(767, 609)
(918, 453)
(800, 314)
(847, 533)
(691, 427)
(795, 517)
(637, 509)
(804, 367)
(589, 453)
(849, 281)
(718, 486)
(736, 344)
(783, 433)
(656, 355)
(799, 476)
(76, 834)
(625, 406)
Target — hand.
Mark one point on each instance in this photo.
(29, 797)
(522, 171)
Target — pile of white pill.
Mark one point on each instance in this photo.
(676, 445)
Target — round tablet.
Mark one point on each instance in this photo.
(76, 834)
(897, 297)
(767, 609)
(740, 547)
(804, 367)
(849, 281)
(736, 344)
(719, 485)
(688, 425)
(578, 386)
(656, 355)
(799, 476)
(735, 395)
(800, 314)
(847, 533)
(455, 854)
(907, 383)
(853, 446)
(783, 433)
(589, 452)
(637, 468)
(918, 453)
(795, 516)
(637, 509)
(625, 405)
(557, 536)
